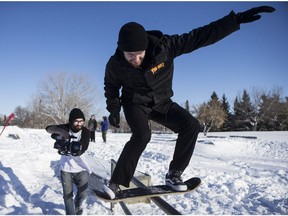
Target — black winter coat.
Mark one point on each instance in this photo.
(151, 85)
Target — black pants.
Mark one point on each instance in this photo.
(104, 135)
(92, 135)
(177, 119)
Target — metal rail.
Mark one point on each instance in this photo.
(162, 204)
(125, 208)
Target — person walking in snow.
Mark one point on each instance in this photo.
(92, 125)
(104, 128)
(73, 168)
(143, 67)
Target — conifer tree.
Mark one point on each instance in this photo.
(243, 112)
(211, 115)
(228, 123)
(187, 106)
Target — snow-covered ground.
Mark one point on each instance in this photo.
(240, 175)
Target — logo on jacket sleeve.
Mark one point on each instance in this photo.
(156, 68)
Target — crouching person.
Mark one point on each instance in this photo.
(72, 140)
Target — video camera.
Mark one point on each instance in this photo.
(66, 147)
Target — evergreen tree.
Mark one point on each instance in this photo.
(211, 115)
(187, 106)
(274, 112)
(285, 114)
(213, 98)
(243, 112)
(228, 123)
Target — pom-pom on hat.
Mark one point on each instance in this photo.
(75, 114)
(132, 37)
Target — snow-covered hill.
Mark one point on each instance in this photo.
(240, 175)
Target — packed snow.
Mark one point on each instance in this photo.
(242, 173)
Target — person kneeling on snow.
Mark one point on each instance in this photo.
(72, 140)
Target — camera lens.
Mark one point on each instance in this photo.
(75, 146)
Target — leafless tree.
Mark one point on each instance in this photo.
(273, 110)
(60, 93)
(22, 116)
(210, 115)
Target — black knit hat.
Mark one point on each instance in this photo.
(75, 114)
(132, 37)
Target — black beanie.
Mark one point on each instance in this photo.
(75, 114)
(132, 37)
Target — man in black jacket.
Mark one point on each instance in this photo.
(143, 67)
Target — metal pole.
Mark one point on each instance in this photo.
(112, 169)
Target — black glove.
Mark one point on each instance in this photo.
(114, 118)
(252, 14)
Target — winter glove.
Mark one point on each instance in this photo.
(114, 118)
(252, 14)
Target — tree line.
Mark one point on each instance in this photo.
(260, 112)
(263, 111)
(58, 94)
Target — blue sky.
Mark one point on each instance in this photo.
(41, 38)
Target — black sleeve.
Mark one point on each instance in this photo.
(85, 138)
(112, 85)
(203, 36)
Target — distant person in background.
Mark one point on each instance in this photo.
(142, 68)
(92, 126)
(72, 140)
(104, 128)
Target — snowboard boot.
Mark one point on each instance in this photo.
(111, 189)
(174, 181)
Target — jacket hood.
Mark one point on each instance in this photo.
(154, 38)
(155, 33)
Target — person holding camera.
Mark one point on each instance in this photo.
(72, 140)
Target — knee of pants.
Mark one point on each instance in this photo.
(194, 125)
(68, 196)
(142, 138)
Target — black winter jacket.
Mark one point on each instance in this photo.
(151, 85)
